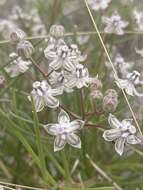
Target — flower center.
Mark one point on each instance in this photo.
(63, 128)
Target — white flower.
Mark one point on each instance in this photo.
(59, 79)
(43, 95)
(122, 67)
(65, 131)
(115, 24)
(79, 77)
(62, 56)
(128, 84)
(139, 19)
(122, 132)
(17, 66)
(98, 4)
(6, 27)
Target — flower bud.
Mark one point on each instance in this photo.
(112, 92)
(2, 81)
(25, 49)
(17, 35)
(57, 31)
(95, 84)
(110, 100)
(96, 94)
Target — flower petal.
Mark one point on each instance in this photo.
(119, 145)
(130, 89)
(51, 128)
(74, 140)
(112, 134)
(76, 125)
(121, 83)
(132, 139)
(59, 143)
(63, 117)
(71, 82)
(38, 101)
(57, 91)
(55, 64)
(113, 121)
(68, 65)
(51, 102)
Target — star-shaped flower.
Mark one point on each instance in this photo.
(128, 84)
(63, 56)
(65, 131)
(122, 132)
(79, 77)
(121, 65)
(59, 79)
(43, 95)
(115, 24)
(98, 4)
(17, 66)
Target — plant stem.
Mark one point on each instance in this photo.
(39, 146)
(66, 166)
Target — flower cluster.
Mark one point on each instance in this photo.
(20, 61)
(67, 72)
(66, 63)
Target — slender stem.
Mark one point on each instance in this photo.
(103, 174)
(5, 170)
(66, 166)
(82, 104)
(70, 112)
(72, 34)
(40, 148)
(38, 67)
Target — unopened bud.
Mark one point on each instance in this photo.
(97, 99)
(25, 49)
(96, 94)
(110, 100)
(95, 84)
(2, 81)
(57, 31)
(112, 92)
(17, 35)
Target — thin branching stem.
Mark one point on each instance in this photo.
(82, 33)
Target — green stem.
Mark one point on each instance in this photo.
(66, 166)
(45, 173)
